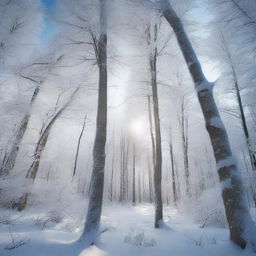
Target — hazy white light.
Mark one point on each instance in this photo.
(137, 126)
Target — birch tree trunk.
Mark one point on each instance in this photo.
(92, 223)
(237, 212)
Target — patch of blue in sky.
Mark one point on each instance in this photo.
(49, 3)
(49, 29)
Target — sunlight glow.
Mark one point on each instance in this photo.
(137, 126)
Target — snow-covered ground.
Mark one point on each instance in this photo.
(126, 231)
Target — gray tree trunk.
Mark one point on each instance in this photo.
(32, 172)
(237, 212)
(158, 148)
(184, 130)
(124, 155)
(10, 159)
(174, 189)
(78, 148)
(243, 119)
(92, 223)
(112, 184)
(237, 88)
(151, 132)
(150, 185)
(133, 175)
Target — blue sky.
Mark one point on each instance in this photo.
(49, 3)
(49, 29)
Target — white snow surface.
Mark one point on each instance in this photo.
(127, 231)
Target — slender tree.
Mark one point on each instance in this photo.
(152, 42)
(174, 186)
(237, 88)
(133, 174)
(124, 158)
(112, 184)
(150, 182)
(78, 147)
(184, 132)
(10, 159)
(91, 227)
(33, 170)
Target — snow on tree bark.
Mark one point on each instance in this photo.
(91, 227)
(10, 160)
(32, 172)
(237, 212)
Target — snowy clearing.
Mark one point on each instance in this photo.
(130, 231)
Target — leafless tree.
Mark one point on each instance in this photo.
(91, 227)
(233, 195)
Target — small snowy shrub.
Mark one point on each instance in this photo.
(207, 209)
(9, 218)
(139, 239)
(52, 216)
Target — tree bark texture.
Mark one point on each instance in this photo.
(233, 195)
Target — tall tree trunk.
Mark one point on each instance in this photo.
(126, 160)
(112, 184)
(174, 189)
(158, 160)
(91, 227)
(139, 187)
(122, 169)
(133, 175)
(233, 195)
(124, 155)
(153, 149)
(10, 159)
(112, 179)
(150, 185)
(184, 130)
(151, 132)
